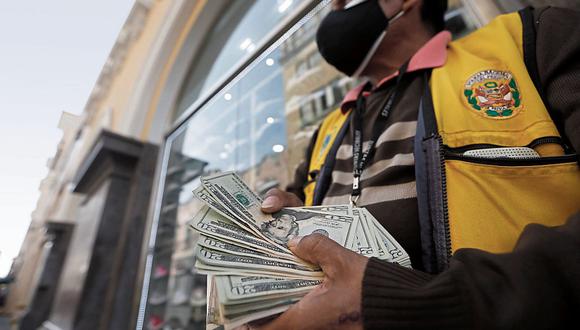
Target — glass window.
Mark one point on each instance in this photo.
(239, 30)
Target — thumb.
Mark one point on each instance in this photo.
(317, 249)
(277, 199)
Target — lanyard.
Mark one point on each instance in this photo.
(359, 157)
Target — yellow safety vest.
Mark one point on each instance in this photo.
(484, 97)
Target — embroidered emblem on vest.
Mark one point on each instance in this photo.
(493, 94)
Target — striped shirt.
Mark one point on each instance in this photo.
(388, 187)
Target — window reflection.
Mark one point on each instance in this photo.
(239, 30)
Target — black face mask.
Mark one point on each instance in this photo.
(348, 38)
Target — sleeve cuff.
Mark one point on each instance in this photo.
(394, 297)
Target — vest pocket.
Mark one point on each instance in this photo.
(490, 201)
(513, 162)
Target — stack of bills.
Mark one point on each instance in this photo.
(252, 273)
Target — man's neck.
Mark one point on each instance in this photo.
(390, 58)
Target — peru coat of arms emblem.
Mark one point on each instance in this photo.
(493, 94)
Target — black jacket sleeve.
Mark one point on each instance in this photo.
(537, 285)
(558, 58)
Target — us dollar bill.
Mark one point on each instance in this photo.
(366, 242)
(288, 223)
(204, 196)
(224, 246)
(202, 268)
(251, 307)
(393, 251)
(227, 260)
(334, 209)
(236, 288)
(212, 224)
(213, 315)
(280, 227)
(233, 193)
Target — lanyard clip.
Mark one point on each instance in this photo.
(355, 182)
(355, 190)
(353, 200)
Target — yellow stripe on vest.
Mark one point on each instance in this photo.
(326, 136)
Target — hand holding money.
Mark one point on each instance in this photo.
(337, 302)
(256, 267)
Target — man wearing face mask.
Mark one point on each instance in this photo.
(465, 152)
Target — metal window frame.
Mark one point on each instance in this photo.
(269, 43)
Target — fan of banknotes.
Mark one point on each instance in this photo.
(251, 272)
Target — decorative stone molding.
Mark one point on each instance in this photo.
(129, 34)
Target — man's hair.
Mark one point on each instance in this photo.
(433, 13)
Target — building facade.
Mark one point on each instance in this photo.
(190, 88)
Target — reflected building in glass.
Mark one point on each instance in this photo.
(312, 88)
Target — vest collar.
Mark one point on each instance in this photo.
(432, 55)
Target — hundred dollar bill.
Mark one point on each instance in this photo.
(210, 223)
(281, 226)
(227, 260)
(235, 288)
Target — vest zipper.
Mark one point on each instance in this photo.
(442, 155)
(514, 162)
(460, 150)
(532, 145)
(457, 154)
(549, 139)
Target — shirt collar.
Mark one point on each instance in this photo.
(432, 55)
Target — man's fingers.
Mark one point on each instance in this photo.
(294, 317)
(276, 199)
(284, 321)
(317, 249)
